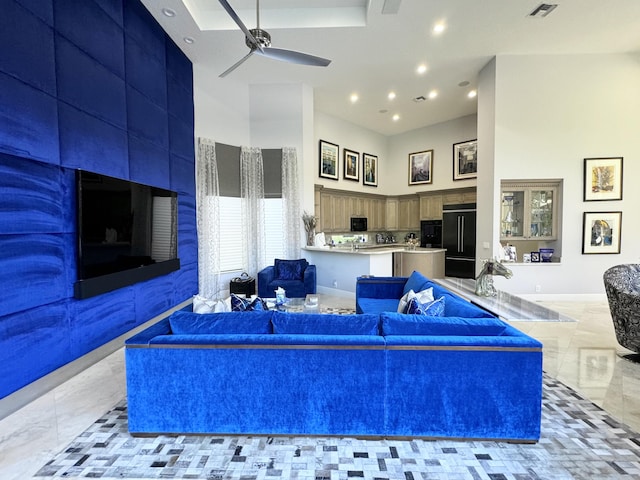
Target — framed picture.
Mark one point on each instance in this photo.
(369, 170)
(328, 160)
(351, 167)
(465, 160)
(535, 257)
(601, 232)
(420, 167)
(602, 179)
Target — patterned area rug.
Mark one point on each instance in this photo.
(579, 441)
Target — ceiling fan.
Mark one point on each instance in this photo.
(259, 41)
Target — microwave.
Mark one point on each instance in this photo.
(358, 224)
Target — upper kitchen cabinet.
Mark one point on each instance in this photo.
(409, 213)
(529, 210)
(431, 207)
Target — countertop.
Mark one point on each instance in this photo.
(375, 249)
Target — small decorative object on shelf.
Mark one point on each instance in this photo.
(310, 222)
(484, 281)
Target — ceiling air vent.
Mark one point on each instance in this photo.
(419, 99)
(543, 10)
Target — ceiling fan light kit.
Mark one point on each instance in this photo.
(259, 41)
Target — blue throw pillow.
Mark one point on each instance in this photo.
(239, 304)
(404, 324)
(433, 309)
(325, 324)
(189, 323)
(290, 269)
(416, 282)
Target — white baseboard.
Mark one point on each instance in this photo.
(37, 388)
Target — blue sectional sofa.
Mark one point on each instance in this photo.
(382, 294)
(381, 375)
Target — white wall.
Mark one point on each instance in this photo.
(282, 116)
(439, 138)
(551, 112)
(221, 108)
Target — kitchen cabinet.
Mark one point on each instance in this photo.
(409, 213)
(459, 196)
(431, 207)
(529, 210)
(391, 220)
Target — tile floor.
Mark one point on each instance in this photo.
(583, 354)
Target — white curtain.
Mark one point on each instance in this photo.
(252, 193)
(208, 221)
(292, 218)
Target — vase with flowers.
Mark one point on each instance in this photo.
(310, 222)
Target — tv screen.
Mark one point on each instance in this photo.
(127, 232)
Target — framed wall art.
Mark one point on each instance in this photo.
(328, 160)
(369, 170)
(465, 160)
(601, 232)
(602, 179)
(351, 167)
(420, 167)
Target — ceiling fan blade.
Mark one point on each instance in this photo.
(292, 56)
(237, 64)
(234, 16)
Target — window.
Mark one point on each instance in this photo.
(274, 237)
(230, 233)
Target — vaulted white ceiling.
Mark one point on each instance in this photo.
(374, 53)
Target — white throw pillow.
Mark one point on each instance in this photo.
(404, 300)
(203, 305)
(423, 296)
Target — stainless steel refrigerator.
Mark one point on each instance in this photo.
(459, 238)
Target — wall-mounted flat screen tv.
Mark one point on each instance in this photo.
(127, 233)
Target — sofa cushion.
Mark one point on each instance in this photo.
(416, 282)
(377, 305)
(434, 308)
(406, 324)
(185, 323)
(322, 324)
(423, 296)
(290, 269)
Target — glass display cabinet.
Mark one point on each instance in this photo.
(528, 210)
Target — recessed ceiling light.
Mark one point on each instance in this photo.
(188, 40)
(421, 69)
(391, 95)
(395, 117)
(354, 97)
(167, 12)
(438, 28)
(433, 94)
(472, 94)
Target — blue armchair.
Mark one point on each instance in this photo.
(297, 277)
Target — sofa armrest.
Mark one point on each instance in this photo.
(145, 336)
(265, 277)
(310, 279)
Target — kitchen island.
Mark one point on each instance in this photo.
(337, 268)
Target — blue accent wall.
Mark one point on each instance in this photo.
(96, 85)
